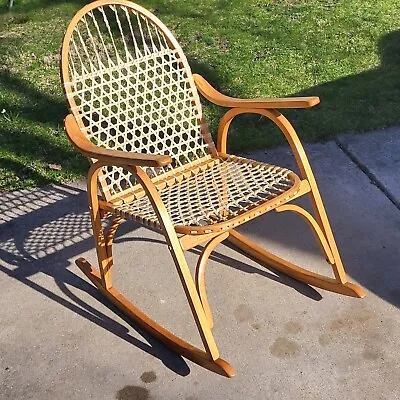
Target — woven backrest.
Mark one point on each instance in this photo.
(130, 88)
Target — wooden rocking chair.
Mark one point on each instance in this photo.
(136, 114)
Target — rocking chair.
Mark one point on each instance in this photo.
(136, 114)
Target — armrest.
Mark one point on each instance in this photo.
(220, 99)
(117, 157)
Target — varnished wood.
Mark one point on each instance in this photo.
(290, 269)
(180, 263)
(319, 236)
(113, 157)
(200, 274)
(112, 230)
(306, 172)
(175, 343)
(315, 197)
(189, 241)
(222, 100)
(105, 262)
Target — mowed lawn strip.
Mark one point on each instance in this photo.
(345, 51)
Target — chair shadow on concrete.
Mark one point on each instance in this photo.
(41, 240)
(42, 229)
(228, 261)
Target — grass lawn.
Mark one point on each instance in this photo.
(345, 51)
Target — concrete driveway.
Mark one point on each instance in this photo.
(59, 339)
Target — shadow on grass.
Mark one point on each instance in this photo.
(37, 107)
(355, 103)
(371, 96)
(359, 102)
(14, 171)
(32, 137)
(33, 5)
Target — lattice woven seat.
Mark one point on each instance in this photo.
(215, 192)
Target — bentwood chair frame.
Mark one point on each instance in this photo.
(147, 163)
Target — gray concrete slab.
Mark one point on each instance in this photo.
(378, 153)
(59, 339)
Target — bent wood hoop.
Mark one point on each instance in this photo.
(175, 343)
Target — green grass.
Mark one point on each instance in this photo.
(345, 51)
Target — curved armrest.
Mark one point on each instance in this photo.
(117, 157)
(211, 94)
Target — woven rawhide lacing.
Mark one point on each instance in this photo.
(218, 191)
(132, 90)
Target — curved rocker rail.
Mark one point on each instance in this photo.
(167, 338)
(290, 269)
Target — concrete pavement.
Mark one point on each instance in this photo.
(378, 157)
(59, 339)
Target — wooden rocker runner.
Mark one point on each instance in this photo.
(136, 114)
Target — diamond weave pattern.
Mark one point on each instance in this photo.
(221, 190)
(132, 91)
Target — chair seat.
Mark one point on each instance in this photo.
(215, 195)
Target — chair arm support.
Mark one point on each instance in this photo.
(117, 157)
(211, 94)
(280, 121)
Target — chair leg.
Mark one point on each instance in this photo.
(200, 274)
(321, 226)
(112, 230)
(104, 248)
(180, 263)
(208, 358)
(104, 259)
(324, 236)
(323, 222)
(326, 241)
(316, 229)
